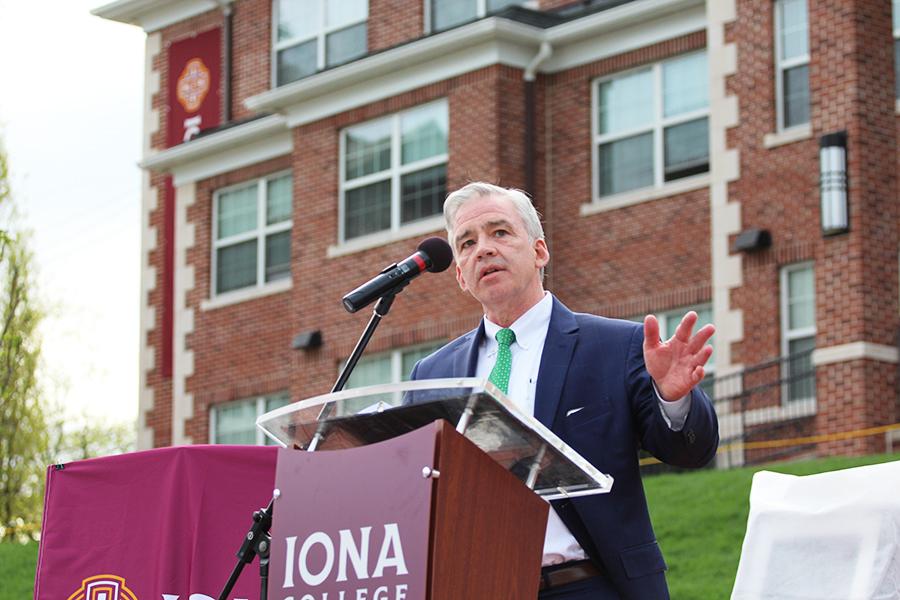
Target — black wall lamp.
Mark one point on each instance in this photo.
(307, 340)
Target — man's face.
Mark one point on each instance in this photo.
(495, 261)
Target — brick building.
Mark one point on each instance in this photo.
(674, 148)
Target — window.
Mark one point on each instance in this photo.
(798, 327)
(652, 125)
(393, 171)
(311, 35)
(235, 422)
(389, 367)
(896, 18)
(668, 322)
(791, 63)
(252, 234)
(450, 13)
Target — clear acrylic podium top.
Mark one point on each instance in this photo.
(478, 409)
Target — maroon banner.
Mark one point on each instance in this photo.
(163, 524)
(353, 524)
(194, 86)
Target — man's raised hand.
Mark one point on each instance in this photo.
(676, 365)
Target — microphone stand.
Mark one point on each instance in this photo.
(380, 311)
(258, 541)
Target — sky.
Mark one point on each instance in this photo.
(71, 102)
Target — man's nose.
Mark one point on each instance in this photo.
(486, 247)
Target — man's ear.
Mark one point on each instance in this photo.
(541, 254)
(460, 280)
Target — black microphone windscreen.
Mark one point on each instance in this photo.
(439, 251)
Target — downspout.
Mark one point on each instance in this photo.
(226, 60)
(530, 75)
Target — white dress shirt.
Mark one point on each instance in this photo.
(531, 331)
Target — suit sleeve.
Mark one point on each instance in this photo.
(696, 443)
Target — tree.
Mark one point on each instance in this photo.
(23, 427)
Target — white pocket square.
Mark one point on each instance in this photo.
(574, 410)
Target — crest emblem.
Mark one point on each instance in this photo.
(192, 85)
(103, 587)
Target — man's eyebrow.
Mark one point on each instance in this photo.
(500, 222)
(457, 236)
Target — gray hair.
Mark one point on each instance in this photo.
(480, 189)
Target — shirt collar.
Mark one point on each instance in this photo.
(530, 328)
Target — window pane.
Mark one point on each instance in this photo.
(411, 357)
(278, 200)
(368, 371)
(367, 209)
(345, 45)
(236, 212)
(794, 42)
(626, 164)
(297, 19)
(422, 193)
(896, 13)
(368, 149)
(685, 85)
(496, 5)
(801, 299)
(273, 402)
(449, 13)
(235, 423)
(423, 132)
(278, 256)
(686, 149)
(297, 62)
(626, 102)
(800, 372)
(896, 67)
(796, 96)
(236, 266)
(340, 13)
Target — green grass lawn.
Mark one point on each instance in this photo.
(700, 518)
(17, 565)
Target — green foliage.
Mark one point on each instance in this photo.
(700, 519)
(18, 563)
(23, 432)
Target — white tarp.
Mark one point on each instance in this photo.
(822, 537)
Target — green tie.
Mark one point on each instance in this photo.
(500, 373)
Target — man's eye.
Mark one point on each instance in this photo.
(466, 244)
(500, 233)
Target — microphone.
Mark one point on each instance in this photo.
(433, 254)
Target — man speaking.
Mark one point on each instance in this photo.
(606, 387)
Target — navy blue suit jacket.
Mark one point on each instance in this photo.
(597, 365)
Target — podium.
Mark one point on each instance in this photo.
(433, 489)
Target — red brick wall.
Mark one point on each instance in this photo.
(251, 68)
(611, 261)
(392, 22)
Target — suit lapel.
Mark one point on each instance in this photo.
(465, 358)
(562, 334)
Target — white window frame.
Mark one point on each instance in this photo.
(895, 6)
(480, 12)
(260, 408)
(394, 174)
(657, 127)
(262, 230)
(783, 65)
(396, 356)
(788, 335)
(322, 32)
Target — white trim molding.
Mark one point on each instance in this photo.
(223, 151)
(182, 358)
(671, 188)
(149, 237)
(788, 136)
(480, 44)
(725, 215)
(855, 351)
(153, 15)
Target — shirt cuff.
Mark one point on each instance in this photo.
(674, 413)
